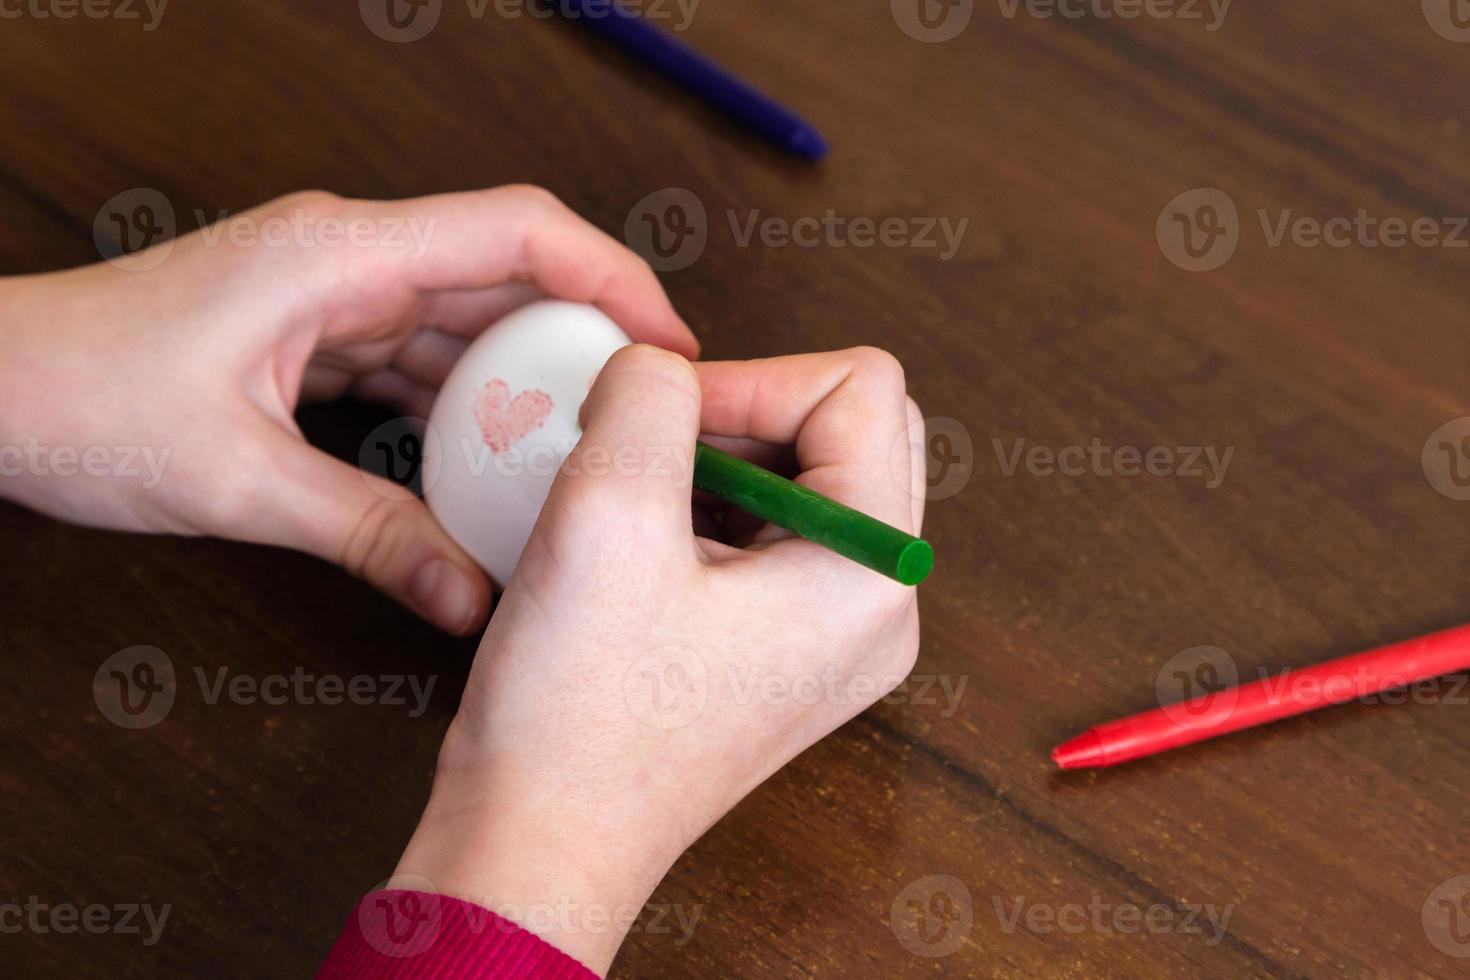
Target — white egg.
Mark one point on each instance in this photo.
(506, 419)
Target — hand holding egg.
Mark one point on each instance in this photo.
(506, 419)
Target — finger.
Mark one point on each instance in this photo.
(467, 312)
(918, 470)
(775, 457)
(771, 456)
(635, 457)
(739, 527)
(524, 234)
(390, 387)
(372, 527)
(842, 410)
(429, 356)
(324, 382)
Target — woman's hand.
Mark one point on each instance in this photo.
(637, 680)
(163, 400)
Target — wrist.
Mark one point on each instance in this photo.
(510, 836)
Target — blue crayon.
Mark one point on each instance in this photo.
(700, 75)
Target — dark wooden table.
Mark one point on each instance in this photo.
(931, 835)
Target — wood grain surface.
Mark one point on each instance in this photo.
(931, 835)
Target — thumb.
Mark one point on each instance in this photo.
(375, 529)
(637, 448)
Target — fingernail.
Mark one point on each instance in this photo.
(444, 595)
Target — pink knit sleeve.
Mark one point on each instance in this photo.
(418, 934)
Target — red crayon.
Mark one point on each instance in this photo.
(1291, 693)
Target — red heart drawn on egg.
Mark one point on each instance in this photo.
(505, 421)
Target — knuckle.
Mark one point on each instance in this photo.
(312, 203)
(915, 413)
(372, 538)
(535, 197)
(278, 235)
(649, 361)
(879, 365)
